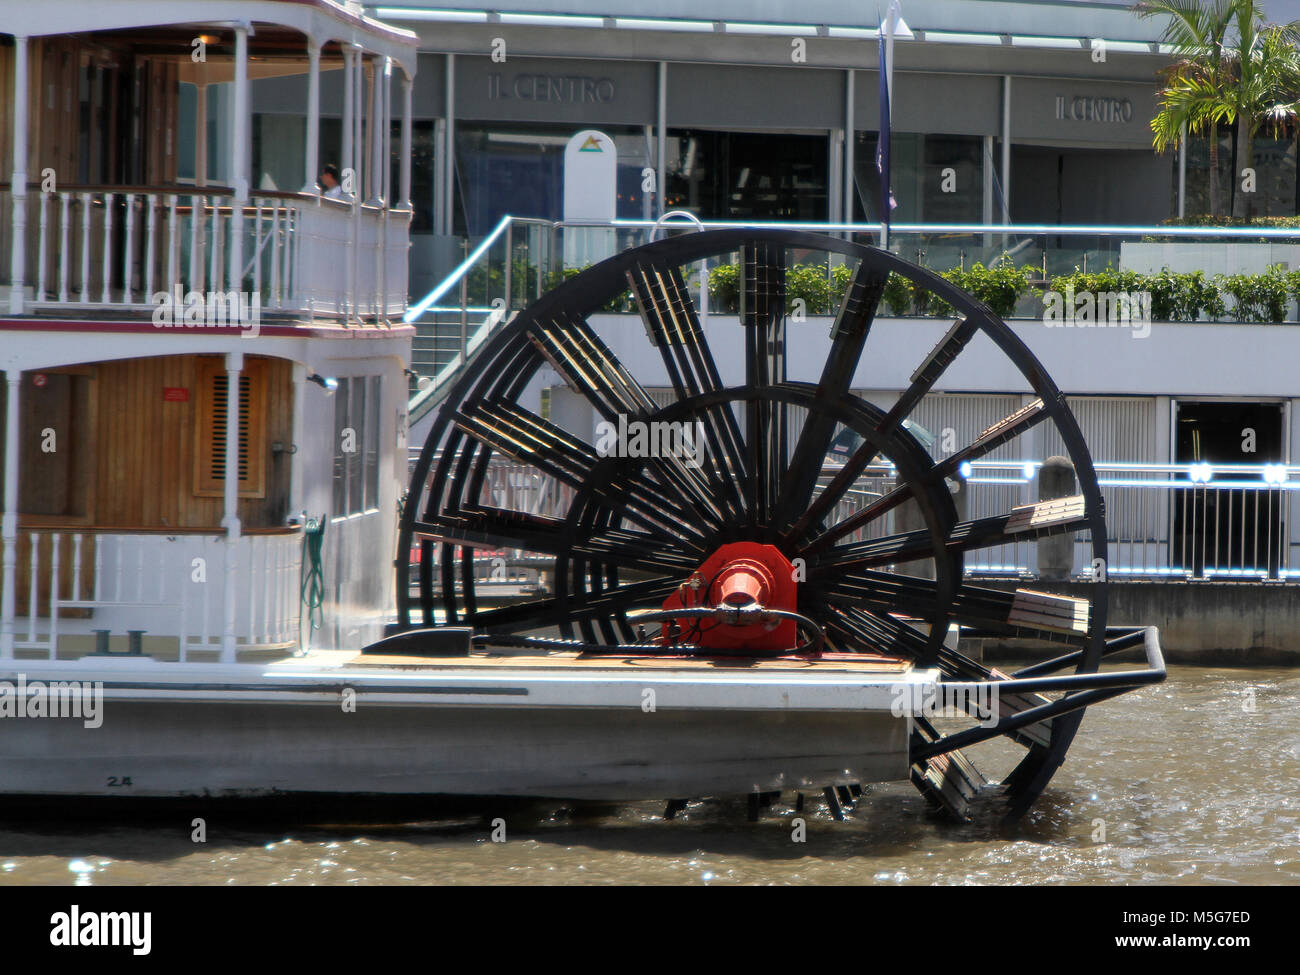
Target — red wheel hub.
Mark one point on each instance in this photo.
(738, 574)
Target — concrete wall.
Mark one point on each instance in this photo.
(1233, 623)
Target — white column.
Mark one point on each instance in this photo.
(349, 57)
(385, 181)
(239, 159)
(661, 141)
(449, 135)
(201, 131)
(376, 128)
(358, 188)
(1006, 148)
(311, 156)
(296, 458)
(408, 86)
(9, 521)
(850, 142)
(18, 185)
(234, 366)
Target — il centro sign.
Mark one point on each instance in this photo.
(1085, 108)
(564, 89)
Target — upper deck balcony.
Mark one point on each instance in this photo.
(115, 194)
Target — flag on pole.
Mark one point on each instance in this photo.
(888, 27)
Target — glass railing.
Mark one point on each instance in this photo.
(1189, 274)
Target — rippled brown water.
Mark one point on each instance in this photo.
(1192, 788)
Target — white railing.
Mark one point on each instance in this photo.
(71, 584)
(1175, 521)
(120, 248)
(1184, 521)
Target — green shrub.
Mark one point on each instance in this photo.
(1000, 285)
(1259, 297)
(898, 294)
(818, 289)
(1175, 296)
(724, 287)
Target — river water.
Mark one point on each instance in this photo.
(1193, 781)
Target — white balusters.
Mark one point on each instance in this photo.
(65, 216)
(149, 235)
(128, 256)
(258, 243)
(275, 258)
(197, 209)
(54, 595)
(33, 583)
(173, 243)
(215, 274)
(107, 294)
(85, 248)
(44, 245)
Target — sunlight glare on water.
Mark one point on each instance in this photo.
(1188, 784)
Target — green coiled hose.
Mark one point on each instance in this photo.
(311, 582)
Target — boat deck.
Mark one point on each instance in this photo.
(570, 661)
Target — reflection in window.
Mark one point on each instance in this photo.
(744, 175)
(917, 165)
(519, 170)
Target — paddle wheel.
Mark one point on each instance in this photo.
(754, 542)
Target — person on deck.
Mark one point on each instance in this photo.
(329, 179)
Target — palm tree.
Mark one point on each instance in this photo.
(1263, 84)
(1232, 69)
(1195, 30)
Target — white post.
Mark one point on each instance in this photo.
(239, 160)
(661, 140)
(449, 149)
(9, 522)
(201, 134)
(850, 143)
(408, 85)
(378, 75)
(385, 172)
(345, 162)
(18, 184)
(358, 188)
(234, 366)
(313, 116)
(296, 498)
(1006, 148)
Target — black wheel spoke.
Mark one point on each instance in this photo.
(590, 368)
(559, 611)
(528, 438)
(762, 315)
(928, 373)
(495, 528)
(847, 338)
(1005, 430)
(1023, 522)
(674, 328)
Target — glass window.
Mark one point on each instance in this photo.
(745, 175)
(922, 186)
(356, 444)
(519, 170)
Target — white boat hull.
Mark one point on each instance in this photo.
(251, 731)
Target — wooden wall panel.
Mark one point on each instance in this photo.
(147, 448)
